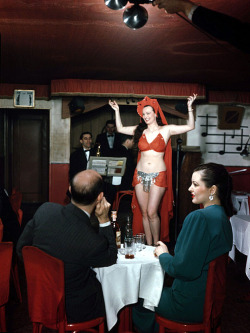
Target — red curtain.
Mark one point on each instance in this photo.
(7, 90)
(106, 88)
(217, 97)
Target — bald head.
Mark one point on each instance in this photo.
(85, 187)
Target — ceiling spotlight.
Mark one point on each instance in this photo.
(115, 4)
(135, 16)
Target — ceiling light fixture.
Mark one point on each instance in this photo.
(134, 16)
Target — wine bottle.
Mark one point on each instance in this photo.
(128, 228)
(116, 228)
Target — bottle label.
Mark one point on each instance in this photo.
(118, 239)
(113, 215)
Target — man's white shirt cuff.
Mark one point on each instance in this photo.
(106, 224)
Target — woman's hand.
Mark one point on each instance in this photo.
(114, 105)
(161, 248)
(190, 101)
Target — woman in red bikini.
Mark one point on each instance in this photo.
(153, 177)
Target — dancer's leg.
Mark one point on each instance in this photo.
(155, 196)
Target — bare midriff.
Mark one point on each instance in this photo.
(151, 161)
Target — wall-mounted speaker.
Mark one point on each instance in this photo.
(76, 105)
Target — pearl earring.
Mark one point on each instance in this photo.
(211, 197)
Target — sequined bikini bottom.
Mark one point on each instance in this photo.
(147, 179)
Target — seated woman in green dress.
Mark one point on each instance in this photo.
(206, 234)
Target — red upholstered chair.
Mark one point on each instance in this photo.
(15, 201)
(214, 299)
(6, 249)
(1, 230)
(46, 294)
(119, 196)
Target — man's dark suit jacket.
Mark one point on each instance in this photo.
(65, 232)
(103, 141)
(11, 226)
(78, 161)
(127, 178)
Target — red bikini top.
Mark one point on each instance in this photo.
(158, 144)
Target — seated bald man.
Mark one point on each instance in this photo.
(65, 232)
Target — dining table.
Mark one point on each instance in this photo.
(241, 238)
(128, 280)
(241, 203)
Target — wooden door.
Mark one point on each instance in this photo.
(28, 157)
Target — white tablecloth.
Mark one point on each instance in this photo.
(241, 238)
(129, 279)
(240, 203)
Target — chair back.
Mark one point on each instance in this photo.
(45, 287)
(15, 201)
(215, 291)
(6, 250)
(1, 230)
(214, 299)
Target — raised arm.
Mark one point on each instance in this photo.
(179, 129)
(129, 130)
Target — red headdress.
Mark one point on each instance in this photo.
(155, 105)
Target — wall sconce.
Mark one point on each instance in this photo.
(135, 16)
(245, 150)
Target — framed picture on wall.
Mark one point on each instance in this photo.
(24, 98)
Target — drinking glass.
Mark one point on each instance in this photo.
(129, 248)
(143, 240)
(138, 242)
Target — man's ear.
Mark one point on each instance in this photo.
(69, 189)
(100, 196)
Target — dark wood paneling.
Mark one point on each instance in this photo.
(188, 161)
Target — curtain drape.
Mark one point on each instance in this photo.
(106, 88)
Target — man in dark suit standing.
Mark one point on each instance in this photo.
(110, 144)
(126, 151)
(79, 158)
(65, 232)
(110, 141)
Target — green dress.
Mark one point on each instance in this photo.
(206, 234)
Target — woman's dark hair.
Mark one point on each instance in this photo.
(142, 126)
(86, 194)
(216, 174)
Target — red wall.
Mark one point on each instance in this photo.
(59, 183)
(241, 180)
